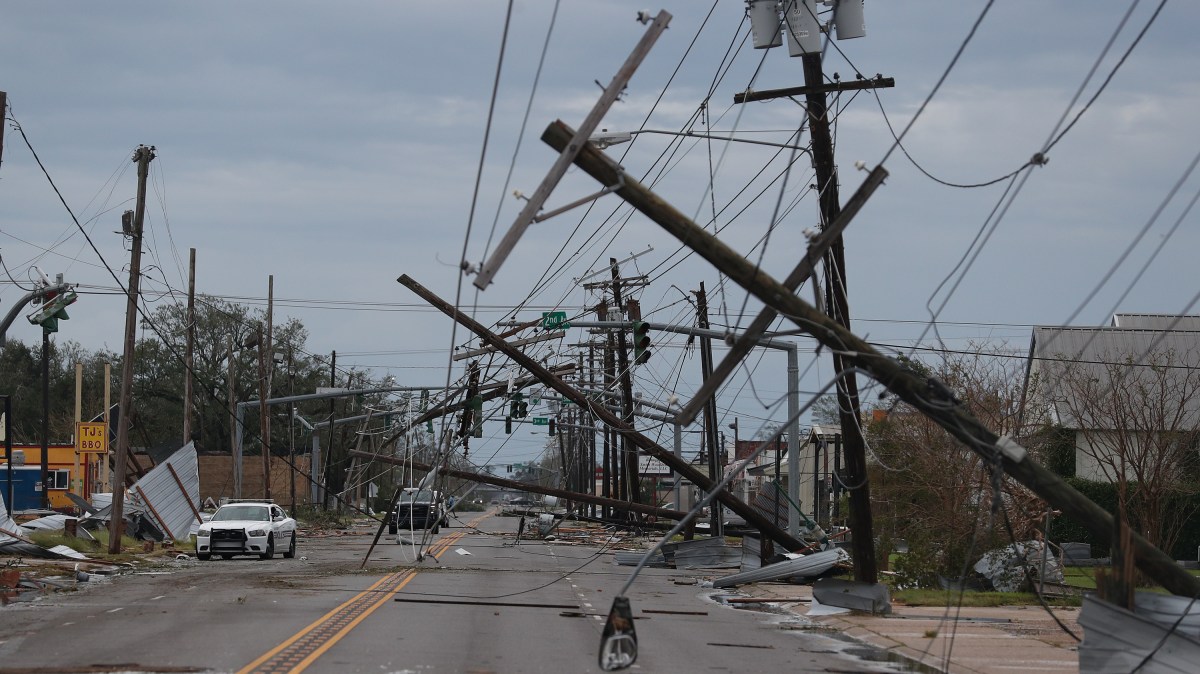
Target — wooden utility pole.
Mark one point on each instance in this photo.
(629, 455)
(716, 521)
(107, 416)
(924, 395)
(264, 419)
(77, 481)
(328, 467)
(190, 349)
(143, 156)
(231, 399)
(849, 412)
(753, 517)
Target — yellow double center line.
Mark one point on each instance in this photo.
(301, 650)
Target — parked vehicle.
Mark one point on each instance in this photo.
(418, 509)
(247, 528)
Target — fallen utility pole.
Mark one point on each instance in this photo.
(642, 508)
(817, 248)
(753, 517)
(529, 214)
(927, 396)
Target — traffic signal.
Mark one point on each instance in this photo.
(641, 342)
(508, 425)
(551, 426)
(53, 310)
(477, 416)
(518, 408)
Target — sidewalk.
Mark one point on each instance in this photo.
(991, 640)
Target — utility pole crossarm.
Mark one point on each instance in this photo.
(769, 94)
(580, 139)
(922, 394)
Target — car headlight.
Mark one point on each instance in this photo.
(203, 533)
(257, 532)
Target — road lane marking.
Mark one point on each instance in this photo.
(299, 651)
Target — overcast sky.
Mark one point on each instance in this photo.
(336, 145)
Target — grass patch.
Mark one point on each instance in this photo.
(131, 548)
(975, 599)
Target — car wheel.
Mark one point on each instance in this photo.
(204, 556)
(226, 555)
(392, 528)
(291, 551)
(270, 551)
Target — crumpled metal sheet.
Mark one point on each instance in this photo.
(806, 566)
(1006, 566)
(159, 494)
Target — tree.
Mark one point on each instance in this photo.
(932, 491)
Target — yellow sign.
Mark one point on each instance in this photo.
(92, 438)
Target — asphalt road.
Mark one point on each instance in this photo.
(533, 607)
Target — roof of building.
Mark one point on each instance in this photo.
(1069, 365)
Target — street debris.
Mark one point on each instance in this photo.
(808, 566)
(169, 494)
(1161, 634)
(1009, 568)
(855, 595)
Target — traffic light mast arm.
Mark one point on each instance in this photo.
(21, 303)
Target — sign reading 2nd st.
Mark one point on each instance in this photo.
(92, 437)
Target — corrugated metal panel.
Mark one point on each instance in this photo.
(1068, 360)
(164, 501)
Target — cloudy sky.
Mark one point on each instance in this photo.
(336, 146)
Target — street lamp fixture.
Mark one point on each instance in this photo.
(606, 138)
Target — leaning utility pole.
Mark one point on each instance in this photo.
(849, 413)
(927, 396)
(143, 156)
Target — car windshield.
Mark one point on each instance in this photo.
(253, 513)
(422, 496)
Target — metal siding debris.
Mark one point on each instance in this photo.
(807, 566)
(870, 597)
(1116, 641)
(171, 492)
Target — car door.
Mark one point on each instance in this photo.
(279, 524)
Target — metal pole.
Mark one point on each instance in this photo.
(8, 450)
(45, 419)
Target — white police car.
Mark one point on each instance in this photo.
(247, 528)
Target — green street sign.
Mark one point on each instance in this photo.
(541, 421)
(555, 320)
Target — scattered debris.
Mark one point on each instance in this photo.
(1009, 568)
(804, 567)
(869, 597)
